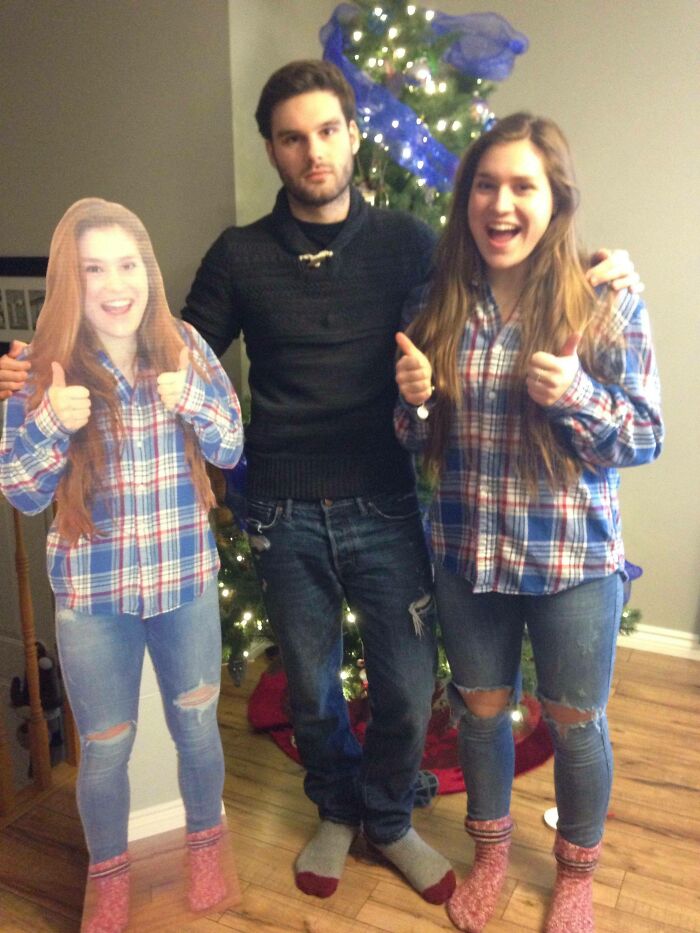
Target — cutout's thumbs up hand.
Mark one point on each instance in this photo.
(414, 374)
(550, 375)
(71, 404)
(171, 385)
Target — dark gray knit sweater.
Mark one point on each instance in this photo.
(321, 346)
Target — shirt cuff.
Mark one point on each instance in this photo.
(193, 395)
(419, 412)
(576, 397)
(44, 424)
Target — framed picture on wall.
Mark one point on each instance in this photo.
(22, 292)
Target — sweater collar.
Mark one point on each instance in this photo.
(293, 239)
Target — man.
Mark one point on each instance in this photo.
(316, 287)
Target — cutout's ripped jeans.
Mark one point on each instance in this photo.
(309, 555)
(573, 635)
(101, 660)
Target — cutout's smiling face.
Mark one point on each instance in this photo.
(115, 284)
(510, 206)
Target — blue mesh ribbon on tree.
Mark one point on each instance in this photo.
(485, 47)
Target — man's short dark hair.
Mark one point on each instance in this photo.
(299, 78)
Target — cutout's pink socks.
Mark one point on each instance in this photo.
(207, 885)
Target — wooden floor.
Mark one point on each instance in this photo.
(649, 878)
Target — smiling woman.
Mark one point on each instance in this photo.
(543, 390)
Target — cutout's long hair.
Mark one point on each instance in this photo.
(64, 335)
(556, 301)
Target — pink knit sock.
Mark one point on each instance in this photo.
(207, 886)
(110, 880)
(473, 903)
(571, 910)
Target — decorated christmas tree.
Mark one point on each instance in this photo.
(421, 80)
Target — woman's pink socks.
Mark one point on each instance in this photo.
(473, 903)
(571, 910)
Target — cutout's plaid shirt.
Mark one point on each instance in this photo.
(155, 550)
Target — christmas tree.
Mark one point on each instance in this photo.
(421, 80)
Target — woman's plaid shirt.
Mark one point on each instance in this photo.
(483, 524)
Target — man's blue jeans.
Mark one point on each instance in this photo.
(309, 556)
(101, 659)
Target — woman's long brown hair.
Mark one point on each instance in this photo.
(556, 302)
(63, 335)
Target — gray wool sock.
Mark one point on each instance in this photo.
(425, 869)
(320, 863)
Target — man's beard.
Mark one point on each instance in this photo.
(309, 198)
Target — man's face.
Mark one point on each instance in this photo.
(312, 148)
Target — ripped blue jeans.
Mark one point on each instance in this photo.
(101, 661)
(372, 552)
(573, 635)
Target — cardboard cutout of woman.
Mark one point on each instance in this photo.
(123, 405)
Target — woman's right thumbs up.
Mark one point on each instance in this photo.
(414, 374)
(71, 404)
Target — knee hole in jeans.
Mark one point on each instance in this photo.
(200, 698)
(485, 704)
(114, 733)
(562, 717)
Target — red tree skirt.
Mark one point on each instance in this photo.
(268, 711)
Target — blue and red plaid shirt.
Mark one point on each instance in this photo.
(483, 523)
(154, 550)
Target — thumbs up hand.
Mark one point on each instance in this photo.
(71, 404)
(414, 374)
(549, 376)
(171, 385)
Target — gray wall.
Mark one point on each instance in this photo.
(132, 101)
(621, 77)
(121, 100)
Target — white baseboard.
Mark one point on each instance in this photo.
(662, 641)
(161, 818)
(150, 821)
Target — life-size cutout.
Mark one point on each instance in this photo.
(122, 406)
(525, 391)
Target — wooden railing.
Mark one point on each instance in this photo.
(39, 751)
